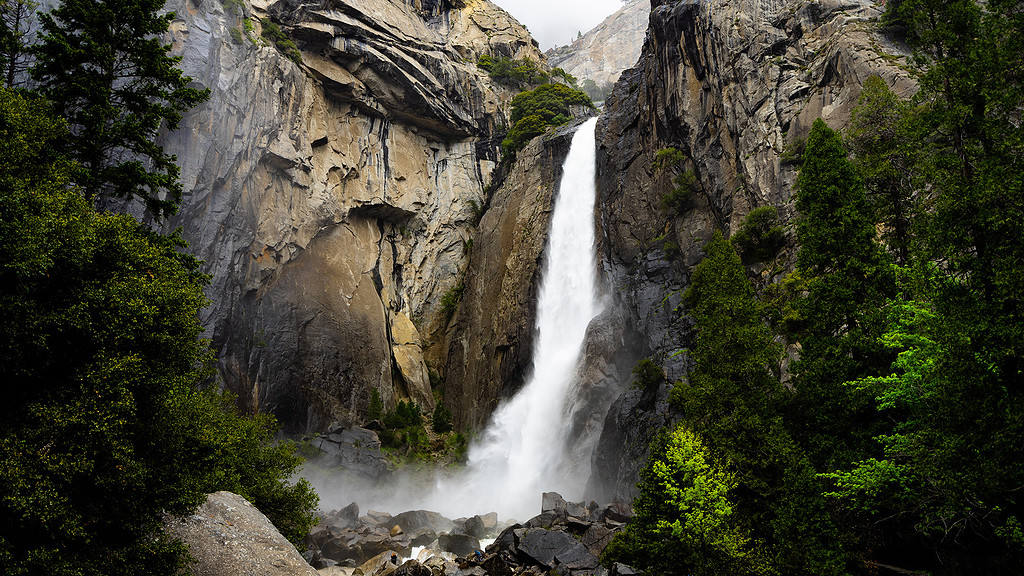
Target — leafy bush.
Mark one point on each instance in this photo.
(450, 300)
(679, 200)
(647, 375)
(759, 237)
(536, 110)
(271, 31)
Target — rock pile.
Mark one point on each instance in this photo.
(566, 537)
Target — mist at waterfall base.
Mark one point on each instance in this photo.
(523, 450)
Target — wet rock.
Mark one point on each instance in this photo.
(545, 519)
(416, 520)
(412, 568)
(474, 526)
(508, 539)
(343, 518)
(458, 544)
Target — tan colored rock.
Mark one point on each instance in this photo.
(330, 200)
(228, 536)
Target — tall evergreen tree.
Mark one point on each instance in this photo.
(849, 279)
(884, 137)
(733, 396)
(103, 65)
(105, 426)
(16, 36)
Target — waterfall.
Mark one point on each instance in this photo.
(523, 449)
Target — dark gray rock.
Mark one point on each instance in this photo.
(596, 538)
(458, 544)
(474, 526)
(415, 521)
(545, 519)
(552, 501)
(543, 546)
(354, 450)
(508, 539)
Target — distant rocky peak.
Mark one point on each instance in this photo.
(601, 54)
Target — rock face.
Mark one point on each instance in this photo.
(611, 47)
(330, 200)
(228, 536)
(730, 84)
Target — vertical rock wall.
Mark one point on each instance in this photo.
(331, 199)
(728, 83)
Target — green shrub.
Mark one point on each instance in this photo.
(271, 31)
(667, 158)
(515, 72)
(759, 237)
(647, 375)
(450, 300)
(793, 153)
(376, 409)
(441, 422)
(685, 520)
(680, 199)
(536, 110)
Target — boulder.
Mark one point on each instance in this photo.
(440, 567)
(458, 544)
(490, 521)
(474, 526)
(417, 520)
(508, 539)
(354, 450)
(552, 501)
(412, 568)
(379, 565)
(227, 536)
(543, 546)
(619, 569)
(596, 538)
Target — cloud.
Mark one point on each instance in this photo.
(556, 22)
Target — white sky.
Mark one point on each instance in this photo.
(555, 22)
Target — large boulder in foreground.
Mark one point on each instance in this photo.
(228, 536)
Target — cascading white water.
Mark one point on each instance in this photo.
(522, 451)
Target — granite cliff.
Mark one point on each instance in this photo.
(611, 47)
(729, 84)
(332, 188)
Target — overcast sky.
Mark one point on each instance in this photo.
(555, 22)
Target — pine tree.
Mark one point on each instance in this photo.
(103, 66)
(849, 279)
(16, 35)
(734, 398)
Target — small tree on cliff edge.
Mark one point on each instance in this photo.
(104, 68)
